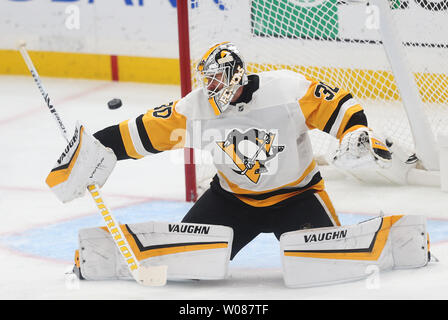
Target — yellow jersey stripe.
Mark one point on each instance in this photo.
(348, 114)
(236, 189)
(127, 140)
(351, 129)
(278, 198)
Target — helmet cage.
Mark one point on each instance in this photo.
(222, 73)
(214, 80)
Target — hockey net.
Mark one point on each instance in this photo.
(339, 43)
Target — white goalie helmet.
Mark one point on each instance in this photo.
(222, 71)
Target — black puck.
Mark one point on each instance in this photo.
(114, 104)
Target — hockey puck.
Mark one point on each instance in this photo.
(114, 104)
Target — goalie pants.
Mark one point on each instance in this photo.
(219, 207)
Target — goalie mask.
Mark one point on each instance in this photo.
(222, 72)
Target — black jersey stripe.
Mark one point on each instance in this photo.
(358, 118)
(316, 179)
(111, 137)
(144, 136)
(335, 113)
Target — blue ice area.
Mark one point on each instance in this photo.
(59, 240)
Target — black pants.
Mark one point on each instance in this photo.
(218, 207)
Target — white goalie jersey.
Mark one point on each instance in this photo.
(260, 146)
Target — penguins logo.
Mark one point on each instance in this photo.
(250, 151)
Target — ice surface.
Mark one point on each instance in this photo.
(38, 234)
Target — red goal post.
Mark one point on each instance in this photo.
(191, 194)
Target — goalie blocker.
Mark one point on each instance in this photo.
(84, 161)
(339, 254)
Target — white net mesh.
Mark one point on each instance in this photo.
(337, 42)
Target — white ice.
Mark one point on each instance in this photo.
(30, 144)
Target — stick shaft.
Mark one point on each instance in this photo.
(42, 90)
(115, 230)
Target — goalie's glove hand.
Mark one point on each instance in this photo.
(361, 148)
(85, 161)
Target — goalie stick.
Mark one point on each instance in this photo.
(145, 275)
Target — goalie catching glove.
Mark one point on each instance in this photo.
(361, 148)
(85, 161)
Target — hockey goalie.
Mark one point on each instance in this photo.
(256, 127)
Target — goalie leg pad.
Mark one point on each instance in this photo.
(190, 251)
(339, 254)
